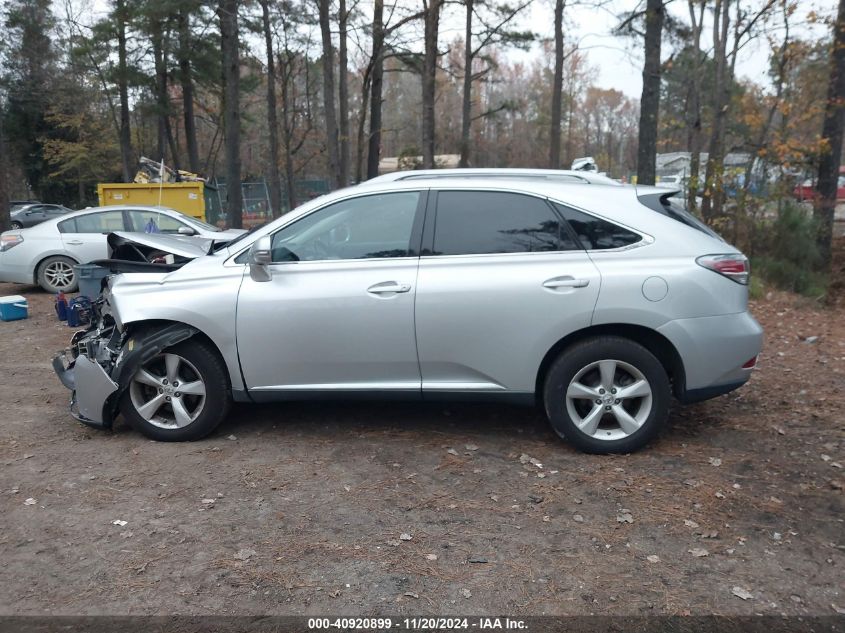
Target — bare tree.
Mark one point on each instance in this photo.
(187, 83)
(694, 139)
(374, 74)
(724, 57)
(272, 120)
(557, 87)
(343, 93)
(429, 79)
(125, 134)
(493, 30)
(832, 132)
(650, 100)
(328, 95)
(5, 220)
(376, 85)
(227, 11)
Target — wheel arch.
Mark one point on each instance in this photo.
(181, 332)
(652, 340)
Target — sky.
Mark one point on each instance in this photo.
(617, 61)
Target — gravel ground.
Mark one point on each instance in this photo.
(408, 509)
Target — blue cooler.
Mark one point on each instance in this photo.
(13, 308)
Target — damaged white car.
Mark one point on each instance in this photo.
(599, 303)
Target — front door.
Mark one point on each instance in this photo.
(501, 280)
(338, 311)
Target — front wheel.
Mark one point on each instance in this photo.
(181, 394)
(607, 395)
(15, 225)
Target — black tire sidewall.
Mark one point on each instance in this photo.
(575, 358)
(42, 281)
(15, 226)
(217, 396)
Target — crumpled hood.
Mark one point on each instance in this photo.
(180, 245)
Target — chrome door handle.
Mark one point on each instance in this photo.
(386, 287)
(565, 282)
(76, 243)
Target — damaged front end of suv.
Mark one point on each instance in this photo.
(99, 363)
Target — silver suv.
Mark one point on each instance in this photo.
(598, 303)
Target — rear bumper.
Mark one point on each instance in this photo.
(713, 351)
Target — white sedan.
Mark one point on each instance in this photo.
(45, 254)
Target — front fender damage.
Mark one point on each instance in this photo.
(104, 363)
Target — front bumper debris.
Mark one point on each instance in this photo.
(91, 387)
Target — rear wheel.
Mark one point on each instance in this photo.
(56, 274)
(15, 225)
(179, 395)
(607, 395)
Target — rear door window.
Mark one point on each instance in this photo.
(490, 222)
(103, 222)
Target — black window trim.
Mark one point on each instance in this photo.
(123, 214)
(427, 250)
(645, 238)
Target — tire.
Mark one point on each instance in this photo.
(594, 418)
(56, 274)
(14, 226)
(149, 402)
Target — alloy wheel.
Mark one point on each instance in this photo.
(609, 399)
(168, 391)
(59, 274)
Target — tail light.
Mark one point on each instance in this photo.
(734, 266)
(751, 363)
(9, 241)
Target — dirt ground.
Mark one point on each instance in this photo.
(364, 509)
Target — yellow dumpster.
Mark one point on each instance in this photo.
(187, 197)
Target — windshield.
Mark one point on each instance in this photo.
(219, 245)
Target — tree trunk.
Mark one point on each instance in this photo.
(557, 88)
(287, 136)
(650, 100)
(126, 158)
(272, 120)
(227, 11)
(832, 131)
(5, 220)
(328, 96)
(187, 89)
(157, 36)
(429, 81)
(376, 86)
(362, 124)
(466, 104)
(694, 107)
(713, 173)
(343, 94)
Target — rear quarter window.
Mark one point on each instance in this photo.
(596, 233)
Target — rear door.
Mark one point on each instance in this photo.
(501, 279)
(84, 236)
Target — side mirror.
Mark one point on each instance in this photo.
(186, 230)
(260, 256)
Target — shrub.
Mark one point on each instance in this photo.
(789, 258)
